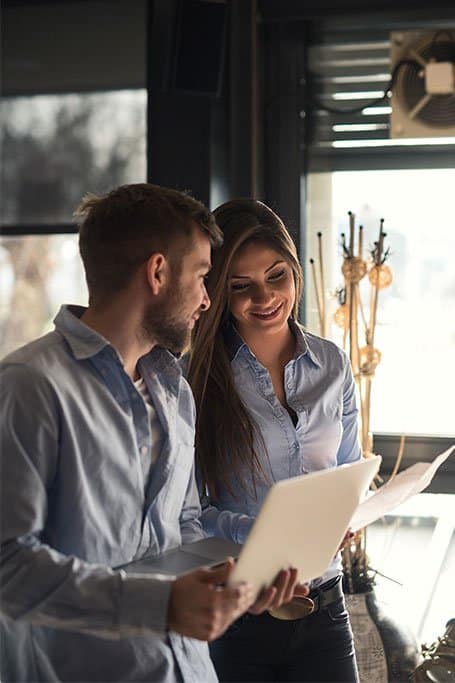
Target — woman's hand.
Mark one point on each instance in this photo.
(347, 538)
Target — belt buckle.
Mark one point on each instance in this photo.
(296, 609)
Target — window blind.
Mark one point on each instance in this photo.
(348, 119)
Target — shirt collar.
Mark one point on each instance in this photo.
(160, 360)
(304, 343)
(86, 342)
(83, 341)
(304, 346)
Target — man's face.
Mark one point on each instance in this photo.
(169, 324)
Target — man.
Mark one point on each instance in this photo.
(97, 461)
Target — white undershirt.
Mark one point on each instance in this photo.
(149, 458)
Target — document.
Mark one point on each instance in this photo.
(407, 483)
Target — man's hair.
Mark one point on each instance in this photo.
(120, 230)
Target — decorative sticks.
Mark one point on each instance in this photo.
(319, 288)
(350, 315)
(321, 273)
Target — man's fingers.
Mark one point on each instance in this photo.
(217, 575)
(229, 604)
(280, 592)
(281, 584)
(288, 592)
(264, 601)
(202, 606)
(301, 590)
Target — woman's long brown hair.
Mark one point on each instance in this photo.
(225, 432)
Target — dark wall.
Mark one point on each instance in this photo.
(244, 138)
(187, 96)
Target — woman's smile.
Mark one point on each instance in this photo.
(269, 313)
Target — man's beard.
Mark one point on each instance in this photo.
(165, 325)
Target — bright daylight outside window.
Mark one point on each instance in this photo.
(55, 149)
(415, 330)
(413, 384)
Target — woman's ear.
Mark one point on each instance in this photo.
(157, 269)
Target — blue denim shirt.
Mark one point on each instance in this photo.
(320, 389)
(75, 504)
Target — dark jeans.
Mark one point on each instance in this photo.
(318, 647)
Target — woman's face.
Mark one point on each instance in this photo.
(262, 289)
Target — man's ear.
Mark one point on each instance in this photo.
(157, 269)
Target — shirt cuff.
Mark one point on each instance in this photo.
(144, 602)
(235, 526)
(242, 524)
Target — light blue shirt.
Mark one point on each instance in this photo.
(320, 389)
(75, 503)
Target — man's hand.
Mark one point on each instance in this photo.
(202, 607)
(301, 590)
(281, 591)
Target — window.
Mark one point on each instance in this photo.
(413, 584)
(58, 147)
(355, 165)
(73, 121)
(37, 274)
(415, 330)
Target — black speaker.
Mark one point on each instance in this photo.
(199, 50)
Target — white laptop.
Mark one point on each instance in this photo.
(207, 552)
(301, 524)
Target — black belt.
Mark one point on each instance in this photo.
(328, 592)
(317, 598)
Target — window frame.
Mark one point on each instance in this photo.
(320, 27)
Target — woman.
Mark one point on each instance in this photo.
(273, 402)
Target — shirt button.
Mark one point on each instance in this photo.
(144, 450)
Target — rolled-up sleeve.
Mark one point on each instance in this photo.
(235, 526)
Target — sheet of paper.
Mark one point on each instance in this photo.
(404, 485)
